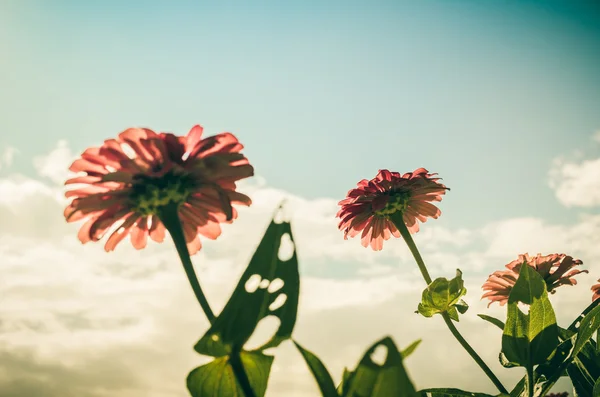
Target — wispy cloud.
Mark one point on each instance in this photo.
(576, 183)
(7, 156)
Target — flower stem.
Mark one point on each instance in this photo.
(473, 353)
(169, 216)
(235, 360)
(405, 233)
(399, 222)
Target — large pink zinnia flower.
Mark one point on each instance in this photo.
(368, 207)
(129, 181)
(555, 269)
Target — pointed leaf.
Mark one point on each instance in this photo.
(373, 380)
(410, 349)
(529, 339)
(343, 386)
(498, 323)
(238, 320)
(589, 325)
(319, 371)
(217, 379)
(247, 306)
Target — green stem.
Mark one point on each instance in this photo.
(530, 381)
(240, 373)
(169, 216)
(473, 353)
(399, 222)
(405, 233)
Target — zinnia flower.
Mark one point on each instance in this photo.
(555, 269)
(596, 291)
(129, 181)
(368, 207)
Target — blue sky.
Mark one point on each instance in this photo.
(485, 93)
(501, 98)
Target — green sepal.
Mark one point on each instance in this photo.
(444, 295)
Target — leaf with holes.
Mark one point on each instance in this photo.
(529, 339)
(371, 379)
(269, 287)
(257, 296)
(444, 295)
(323, 378)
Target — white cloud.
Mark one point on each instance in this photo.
(124, 323)
(55, 165)
(576, 184)
(596, 136)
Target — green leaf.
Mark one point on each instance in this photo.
(567, 352)
(242, 313)
(343, 386)
(410, 349)
(347, 374)
(236, 323)
(462, 305)
(444, 295)
(498, 323)
(374, 380)
(529, 339)
(217, 379)
(506, 363)
(589, 325)
(585, 367)
(596, 391)
(449, 392)
(319, 371)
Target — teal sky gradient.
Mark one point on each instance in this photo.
(485, 93)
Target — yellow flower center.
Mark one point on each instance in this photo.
(151, 194)
(397, 202)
